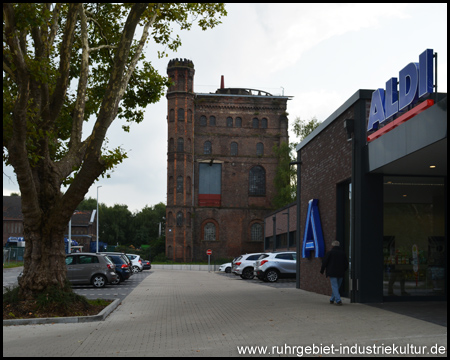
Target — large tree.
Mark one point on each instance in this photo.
(64, 64)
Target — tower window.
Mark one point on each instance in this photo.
(260, 149)
(203, 120)
(180, 145)
(264, 123)
(238, 122)
(255, 123)
(257, 232)
(229, 122)
(212, 121)
(172, 115)
(257, 181)
(179, 184)
(234, 149)
(207, 148)
(209, 232)
(180, 114)
(179, 218)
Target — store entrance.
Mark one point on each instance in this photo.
(414, 241)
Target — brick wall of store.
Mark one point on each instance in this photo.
(326, 162)
(281, 219)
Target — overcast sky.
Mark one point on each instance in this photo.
(320, 54)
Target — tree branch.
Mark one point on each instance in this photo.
(62, 82)
(138, 53)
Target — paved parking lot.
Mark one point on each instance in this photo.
(280, 284)
(112, 292)
(196, 313)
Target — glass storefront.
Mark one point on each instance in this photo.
(414, 247)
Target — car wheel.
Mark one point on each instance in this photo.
(272, 275)
(247, 273)
(228, 270)
(98, 281)
(117, 281)
(135, 269)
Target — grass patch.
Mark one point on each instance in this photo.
(53, 302)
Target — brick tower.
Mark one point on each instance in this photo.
(220, 166)
(180, 170)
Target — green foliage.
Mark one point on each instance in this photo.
(140, 230)
(11, 295)
(286, 175)
(302, 128)
(70, 61)
(285, 179)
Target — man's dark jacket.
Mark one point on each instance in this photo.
(335, 262)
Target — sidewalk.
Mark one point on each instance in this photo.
(196, 313)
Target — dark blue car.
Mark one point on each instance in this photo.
(122, 268)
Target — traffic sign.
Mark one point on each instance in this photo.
(208, 252)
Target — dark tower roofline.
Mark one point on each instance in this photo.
(180, 63)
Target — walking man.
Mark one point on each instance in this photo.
(335, 262)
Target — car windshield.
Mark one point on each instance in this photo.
(117, 259)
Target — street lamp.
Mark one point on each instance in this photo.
(97, 216)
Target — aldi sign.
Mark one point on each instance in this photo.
(414, 82)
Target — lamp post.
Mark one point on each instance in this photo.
(97, 216)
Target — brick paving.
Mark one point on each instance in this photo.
(197, 313)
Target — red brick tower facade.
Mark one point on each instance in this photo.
(221, 166)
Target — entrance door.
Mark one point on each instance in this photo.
(414, 246)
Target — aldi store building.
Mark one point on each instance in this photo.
(377, 170)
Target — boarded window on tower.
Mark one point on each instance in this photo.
(210, 184)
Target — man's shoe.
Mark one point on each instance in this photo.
(339, 303)
(331, 302)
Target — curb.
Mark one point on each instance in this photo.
(61, 320)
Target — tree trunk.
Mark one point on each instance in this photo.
(44, 259)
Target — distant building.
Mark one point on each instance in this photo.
(12, 217)
(83, 222)
(220, 166)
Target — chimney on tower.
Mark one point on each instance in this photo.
(222, 83)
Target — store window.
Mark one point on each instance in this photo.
(414, 245)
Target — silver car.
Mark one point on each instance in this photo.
(275, 266)
(90, 268)
(243, 265)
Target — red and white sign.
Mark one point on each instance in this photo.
(208, 252)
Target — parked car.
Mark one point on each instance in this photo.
(243, 265)
(225, 267)
(146, 265)
(122, 267)
(124, 256)
(90, 268)
(136, 263)
(275, 266)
